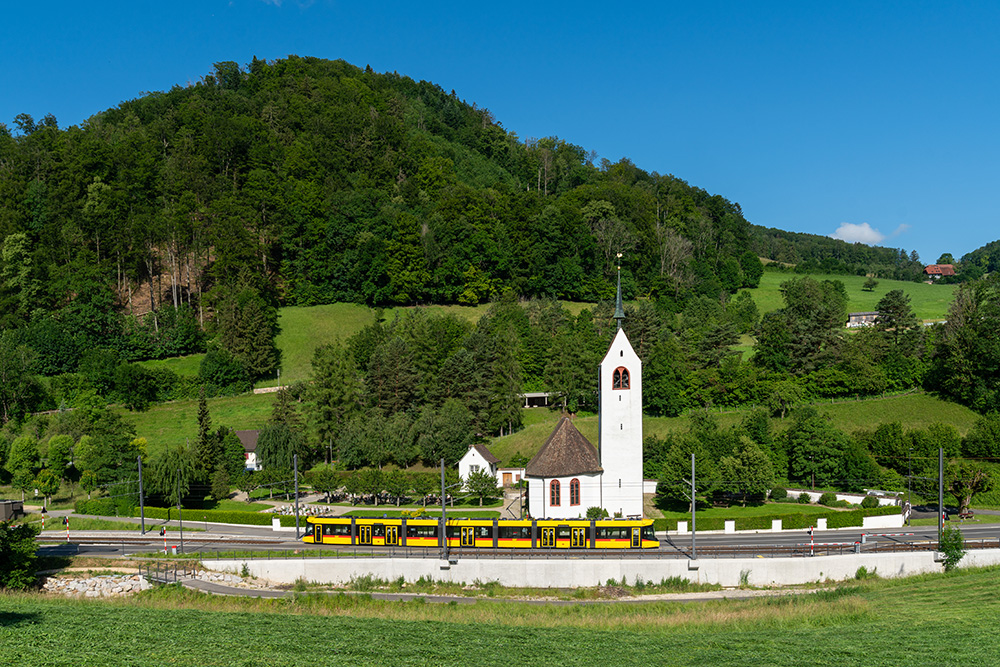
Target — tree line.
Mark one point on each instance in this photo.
(748, 460)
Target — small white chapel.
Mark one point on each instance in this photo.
(570, 475)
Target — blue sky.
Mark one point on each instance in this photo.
(876, 121)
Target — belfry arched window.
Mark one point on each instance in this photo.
(619, 380)
(554, 493)
(574, 492)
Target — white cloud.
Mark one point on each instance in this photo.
(863, 233)
(902, 229)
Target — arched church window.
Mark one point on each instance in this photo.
(574, 492)
(619, 380)
(554, 493)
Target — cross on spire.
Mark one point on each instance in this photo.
(619, 310)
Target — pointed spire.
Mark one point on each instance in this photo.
(619, 310)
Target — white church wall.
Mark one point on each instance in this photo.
(620, 429)
(540, 507)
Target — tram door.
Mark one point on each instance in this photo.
(578, 538)
(635, 538)
(391, 536)
(364, 534)
(468, 536)
(548, 537)
(317, 533)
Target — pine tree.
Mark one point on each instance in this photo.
(334, 395)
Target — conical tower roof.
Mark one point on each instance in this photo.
(565, 453)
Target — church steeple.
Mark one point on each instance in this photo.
(619, 310)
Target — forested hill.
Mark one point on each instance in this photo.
(815, 253)
(334, 183)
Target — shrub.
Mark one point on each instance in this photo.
(778, 493)
(598, 513)
(869, 502)
(828, 499)
(804, 498)
(17, 545)
(952, 545)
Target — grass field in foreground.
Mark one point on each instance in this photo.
(928, 620)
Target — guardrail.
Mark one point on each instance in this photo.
(165, 573)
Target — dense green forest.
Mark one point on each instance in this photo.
(180, 221)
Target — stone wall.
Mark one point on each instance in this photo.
(103, 586)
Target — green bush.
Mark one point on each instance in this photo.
(869, 502)
(952, 545)
(827, 499)
(779, 493)
(804, 498)
(220, 516)
(106, 507)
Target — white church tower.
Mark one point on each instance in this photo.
(620, 422)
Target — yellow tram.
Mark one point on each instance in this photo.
(483, 533)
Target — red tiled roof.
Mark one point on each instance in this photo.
(940, 269)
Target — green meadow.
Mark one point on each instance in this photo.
(928, 620)
(929, 302)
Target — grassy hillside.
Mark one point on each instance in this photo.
(928, 620)
(168, 424)
(929, 302)
(303, 329)
(912, 411)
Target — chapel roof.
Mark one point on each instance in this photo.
(249, 440)
(485, 453)
(565, 453)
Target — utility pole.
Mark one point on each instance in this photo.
(694, 547)
(909, 483)
(940, 493)
(180, 518)
(142, 508)
(444, 520)
(295, 470)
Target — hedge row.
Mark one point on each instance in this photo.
(121, 506)
(852, 518)
(107, 507)
(219, 516)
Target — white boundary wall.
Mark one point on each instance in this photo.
(567, 573)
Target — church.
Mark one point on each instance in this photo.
(570, 475)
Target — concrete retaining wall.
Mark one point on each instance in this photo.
(572, 573)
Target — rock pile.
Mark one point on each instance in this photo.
(97, 587)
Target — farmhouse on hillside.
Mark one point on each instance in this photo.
(938, 271)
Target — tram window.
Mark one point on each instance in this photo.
(518, 532)
(562, 532)
(421, 531)
(378, 530)
(484, 531)
(453, 531)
